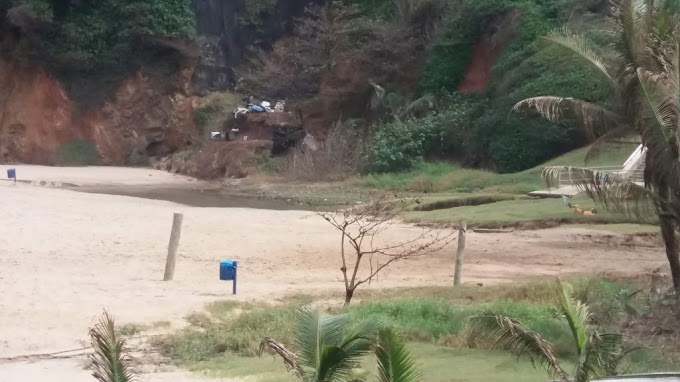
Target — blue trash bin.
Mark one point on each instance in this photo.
(228, 270)
(12, 174)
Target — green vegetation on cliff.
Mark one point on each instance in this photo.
(87, 35)
(449, 72)
(522, 67)
(91, 46)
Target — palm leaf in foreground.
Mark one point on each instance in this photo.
(289, 358)
(591, 117)
(109, 362)
(581, 47)
(328, 349)
(618, 195)
(601, 357)
(576, 313)
(339, 359)
(504, 333)
(394, 361)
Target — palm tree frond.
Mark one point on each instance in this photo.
(660, 99)
(394, 361)
(110, 361)
(629, 23)
(586, 363)
(592, 118)
(578, 45)
(504, 333)
(610, 353)
(601, 358)
(340, 358)
(616, 194)
(315, 332)
(576, 313)
(289, 358)
(623, 134)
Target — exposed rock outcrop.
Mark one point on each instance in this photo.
(261, 126)
(144, 116)
(500, 33)
(229, 28)
(217, 160)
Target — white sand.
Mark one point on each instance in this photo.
(97, 176)
(65, 256)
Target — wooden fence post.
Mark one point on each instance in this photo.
(173, 246)
(460, 254)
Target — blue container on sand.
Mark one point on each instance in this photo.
(228, 270)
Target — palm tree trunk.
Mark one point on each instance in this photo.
(668, 233)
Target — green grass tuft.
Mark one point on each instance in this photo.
(77, 152)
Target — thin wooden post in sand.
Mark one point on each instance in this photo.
(460, 253)
(173, 246)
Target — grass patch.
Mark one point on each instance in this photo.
(214, 109)
(436, 177)
(129, 330)
(77, 152)
(437, 363)
(199, 319)
(262, 369)
(161, 324)
(512, 212)
(434, 315)
(449, 193)
(442, 364)
(238, 334)
(442, 202)
(431, 319)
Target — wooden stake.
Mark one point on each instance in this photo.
(460, 254)
(173, 246)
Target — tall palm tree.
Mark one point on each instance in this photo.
(642, 69)
(110, 361)
(329, 349)
(599, 354)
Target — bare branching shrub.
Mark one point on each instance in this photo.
(342, 154)
(364, 251)
(334, 57)
(295, 66)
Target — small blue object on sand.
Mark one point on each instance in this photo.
(228, 270)
(12, 174)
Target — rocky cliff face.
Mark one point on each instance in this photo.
(227, 29)
(37, 117)
(145, 114)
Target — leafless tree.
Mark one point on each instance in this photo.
(343, 153)
(294, 67)
(361, 227)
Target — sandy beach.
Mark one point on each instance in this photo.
(65, 256)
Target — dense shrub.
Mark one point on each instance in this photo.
(77, 152)
(496, 137)
(515, 141)
(400, 146)
(466, 24)
(342, 154)
(377, 9)
(203, 114)
(137, 159)
(447, 133)
(69, 35)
